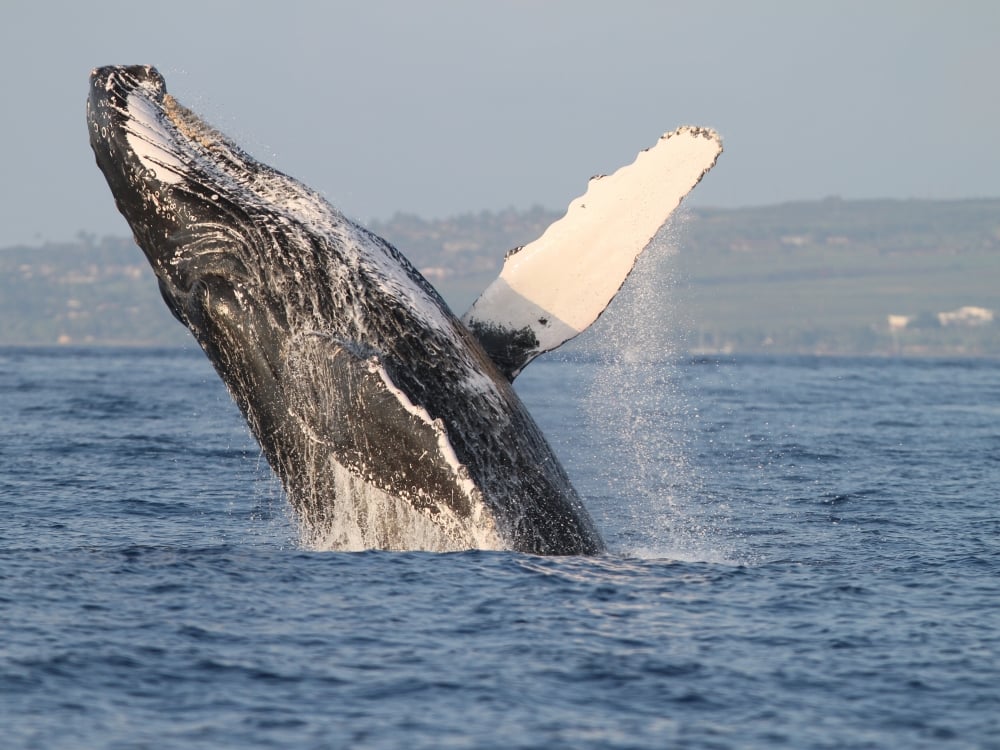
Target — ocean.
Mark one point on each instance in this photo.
(804, 553)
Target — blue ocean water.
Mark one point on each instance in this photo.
(805, 553)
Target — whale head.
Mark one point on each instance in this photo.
(230, 239)
(211, 219)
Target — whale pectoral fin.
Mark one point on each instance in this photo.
(554, 288)
(354, 413)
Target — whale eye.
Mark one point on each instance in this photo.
(211, 304)
(220, 300)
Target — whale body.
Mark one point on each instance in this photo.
(391, 423)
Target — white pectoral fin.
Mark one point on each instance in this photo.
(554, 288)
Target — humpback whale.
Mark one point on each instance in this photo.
(391, 422)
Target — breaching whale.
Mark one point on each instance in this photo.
(391, 423)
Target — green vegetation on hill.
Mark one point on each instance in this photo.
(89, 292)
(825, 276)
(820, 276)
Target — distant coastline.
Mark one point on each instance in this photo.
(879, 277)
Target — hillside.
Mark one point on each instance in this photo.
(825, 276)
(803, 277)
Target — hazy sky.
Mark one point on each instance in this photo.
(440, 107)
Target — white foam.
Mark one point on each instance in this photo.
(364, 517)
(684, 555)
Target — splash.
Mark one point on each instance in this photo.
(365, 517)
(639, 407)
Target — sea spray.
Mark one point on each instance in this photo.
(638, 402)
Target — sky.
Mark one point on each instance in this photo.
(443, 107)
